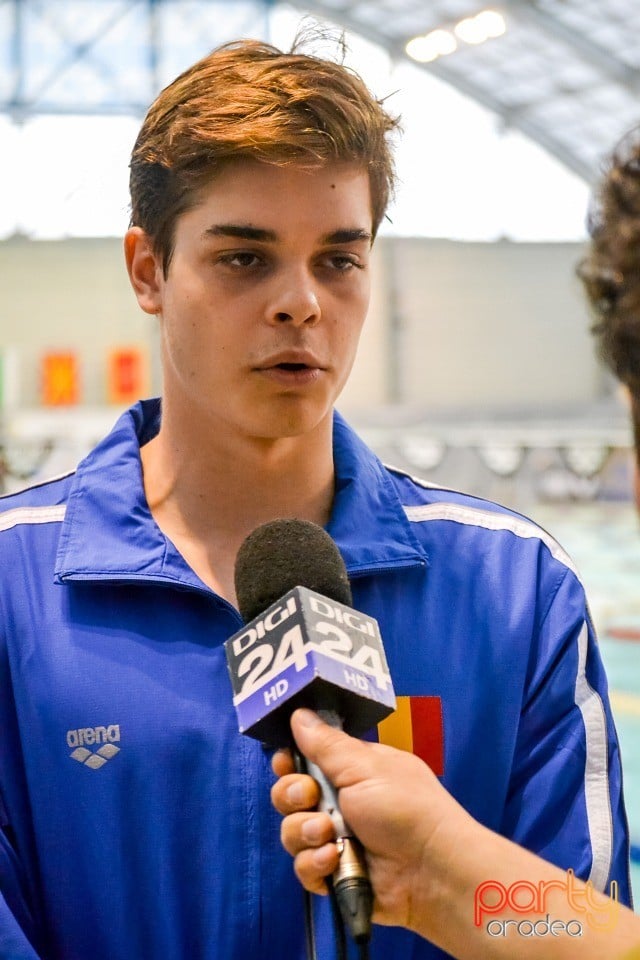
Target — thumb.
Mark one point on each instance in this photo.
(344, 759)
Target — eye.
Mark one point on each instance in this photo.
(343, 262)
(240, 259)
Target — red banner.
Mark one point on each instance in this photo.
(127, 375)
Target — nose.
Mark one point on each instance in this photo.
(294, 299)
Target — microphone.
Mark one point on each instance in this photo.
(304, 645)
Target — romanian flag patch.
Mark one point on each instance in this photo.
(417, 727)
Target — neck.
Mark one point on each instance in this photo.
(208, 488)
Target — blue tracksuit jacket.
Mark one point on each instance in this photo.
(136, 820)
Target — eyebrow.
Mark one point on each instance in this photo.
(347, 236)
(241, 231)
(247, 232)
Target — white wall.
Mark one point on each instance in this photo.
(492, 326)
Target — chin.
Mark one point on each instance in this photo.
(293, 423)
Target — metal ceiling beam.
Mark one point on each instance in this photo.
(21, 102)
(598, 57)
(77, 52)
(26, 91)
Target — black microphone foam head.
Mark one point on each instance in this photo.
(284, 554)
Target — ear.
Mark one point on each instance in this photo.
(145, 270)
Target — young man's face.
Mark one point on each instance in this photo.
(265, 297)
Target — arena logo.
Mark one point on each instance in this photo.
(587, 905)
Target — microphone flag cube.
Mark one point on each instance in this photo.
(307, 650)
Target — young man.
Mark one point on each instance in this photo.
(137, 821)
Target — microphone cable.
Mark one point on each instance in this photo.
(338, 922)
(336, 914)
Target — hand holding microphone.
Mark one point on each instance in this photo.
(428, 858)
(409, 825)
(388, 798)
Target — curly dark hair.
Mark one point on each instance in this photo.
(610, 271)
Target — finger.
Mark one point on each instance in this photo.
(345, 760)
(299, 831)
(282, 763)
(312, 866)
(295, 791)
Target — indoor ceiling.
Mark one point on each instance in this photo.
(565, 72)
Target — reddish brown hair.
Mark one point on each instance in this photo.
(249, 100)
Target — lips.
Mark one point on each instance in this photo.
(293, 361)
(293, 368)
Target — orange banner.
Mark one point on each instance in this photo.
(60, 379)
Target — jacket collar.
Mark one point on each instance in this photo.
(368, 521)
(109, 532)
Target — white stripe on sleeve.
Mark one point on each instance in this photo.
(20, 515)
(489, 520)
(596, 775)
